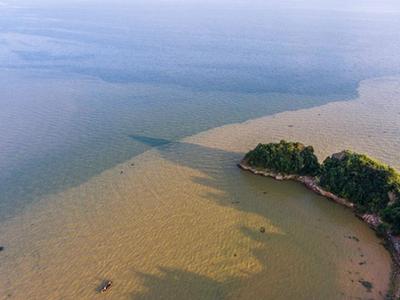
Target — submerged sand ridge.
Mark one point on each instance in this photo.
(183, 222)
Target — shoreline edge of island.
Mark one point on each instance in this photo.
(391, 243)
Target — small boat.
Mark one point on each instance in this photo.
(106, 285)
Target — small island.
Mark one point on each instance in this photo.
(369, 187)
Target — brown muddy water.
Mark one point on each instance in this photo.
(181, 221)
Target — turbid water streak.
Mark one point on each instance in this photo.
(97, 179)
(183, 222)
(79, 79)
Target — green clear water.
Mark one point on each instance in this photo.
(79, 80)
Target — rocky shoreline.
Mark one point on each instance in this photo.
(392, 243)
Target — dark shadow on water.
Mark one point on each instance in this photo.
(150, 141)
(221, 172)
(178, 284)
(209, 161)
(38, 175)
(220, 168)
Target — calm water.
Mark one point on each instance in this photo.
(88, 86)
(79, 79)
(183, 222)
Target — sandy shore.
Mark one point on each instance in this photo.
(181, 221)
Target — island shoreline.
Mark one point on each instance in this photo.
(390, 242)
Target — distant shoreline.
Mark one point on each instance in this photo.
(391, 243)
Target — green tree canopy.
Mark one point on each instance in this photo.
(372, 186)
(362, 180)
(284, 157)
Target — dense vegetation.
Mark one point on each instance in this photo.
(391, 216)
(357, 177)
(372, 186)
(284, 157)
(365, 182)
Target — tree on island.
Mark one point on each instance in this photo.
(364, 181)
(285, 157)
(391, 215)
(371, 186)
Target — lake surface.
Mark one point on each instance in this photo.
(88, 86)
(79, 79)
